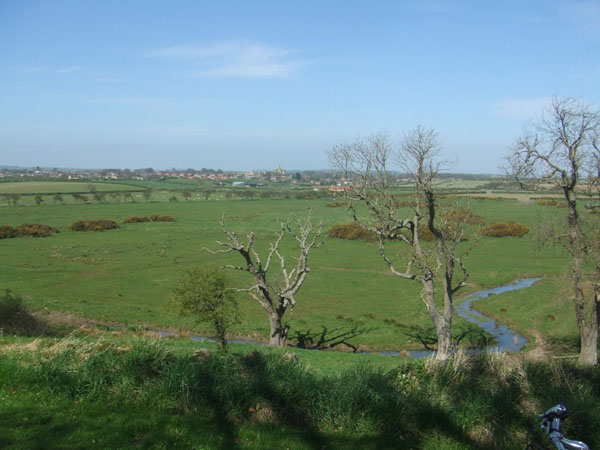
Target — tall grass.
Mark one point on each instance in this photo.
(488, 401)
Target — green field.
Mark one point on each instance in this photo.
(125, 275)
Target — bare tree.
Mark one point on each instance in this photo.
(365, 165)
(561, 148)
(274, 292)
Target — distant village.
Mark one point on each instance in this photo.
(276, 175)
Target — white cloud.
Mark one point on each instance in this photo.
(69, 69)
(234, 60)
(520, 108)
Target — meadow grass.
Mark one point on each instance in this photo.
(125, 275)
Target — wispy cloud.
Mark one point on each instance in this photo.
(585, 14)
(69, 69)
(234, 60)
(519, 108)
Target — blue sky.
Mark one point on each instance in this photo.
(243, 85)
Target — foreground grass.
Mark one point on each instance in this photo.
(115, 392)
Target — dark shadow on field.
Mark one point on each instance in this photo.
(469, 334)
(326, 338)
(569, 343)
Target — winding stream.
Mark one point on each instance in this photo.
(506, 339)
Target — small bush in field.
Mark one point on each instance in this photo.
(335, 204)
(462, 216)
(136, 219)
(94, 225)
(561, 205)
(6, 231)
(546, 202)
(352, 231)
(157, 218)
(495, 198)
(35, 230)
(505, 229)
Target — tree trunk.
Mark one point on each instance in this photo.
(278, 332)
(586, 309)
(443, 324)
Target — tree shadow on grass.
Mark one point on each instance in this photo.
(328, 339)
(377, 416)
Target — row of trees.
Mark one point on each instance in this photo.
(562, 147)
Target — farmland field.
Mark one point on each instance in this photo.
(125, 275)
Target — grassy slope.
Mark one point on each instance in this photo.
(125, 275)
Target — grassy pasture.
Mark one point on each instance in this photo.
(125, 275)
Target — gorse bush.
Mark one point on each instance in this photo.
(335, 204)
(94, 225)
(462, 216)
(505, 229)
(157, 218)
(36, 230)
(352, 231)
(136, 219)
(546, 202)
(6, 231)
(27, 229)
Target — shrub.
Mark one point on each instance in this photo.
(136, 219)
(35, 230)
(495, 198)
(335, 204)
(6, 231)
(462, 216)
(504, 229)
(157, 218)
(205, 293)
(546, 202)
(352, 231)
(94, 225)
(14, 318)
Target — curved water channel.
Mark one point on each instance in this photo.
(506, 339)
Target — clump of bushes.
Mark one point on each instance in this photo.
(462, 216)
(136, 219)
(94, 225)
(546, 202)
(157, 218)
(27, 229)
(335, 204)
(352, 231)
(505, 229)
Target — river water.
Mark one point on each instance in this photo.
(506, 338)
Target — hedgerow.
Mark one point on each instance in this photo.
(462, 216)
(94, 225)
(505, 229)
